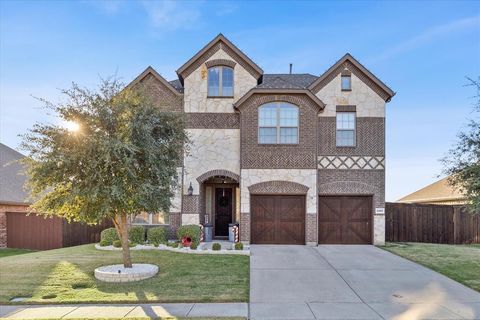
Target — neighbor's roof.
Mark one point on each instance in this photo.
(439, 191)
(12, 178)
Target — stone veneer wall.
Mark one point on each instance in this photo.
(368, 102)
(357, 182)
(305, 177)
(196, 88)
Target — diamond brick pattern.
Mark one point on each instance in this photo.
(351, 162)
(204, 120)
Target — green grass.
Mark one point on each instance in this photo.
(66, 276)
(458, 262)
(13, 252)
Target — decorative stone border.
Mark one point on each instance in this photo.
(163, 247)
(118, 273)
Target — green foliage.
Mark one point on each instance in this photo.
(122, 159)
(193, 246)
(132, 244)
(157, 235)
(192, 230)
(104, 243)
(117, 244)
(238, 246)
(108, 236)
(174, 244)
(462, 163)
(136, 234)
(216, 246)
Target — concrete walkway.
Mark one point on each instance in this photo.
(125, 311)
(351, 282)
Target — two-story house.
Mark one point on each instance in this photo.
(292, 158)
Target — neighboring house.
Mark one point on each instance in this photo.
(440, 192)
(291, 158)
(19, 230)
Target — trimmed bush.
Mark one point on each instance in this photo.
(117, 244)
(238, 246)
(193, 246)
(193, 231)
(104, 243)
(216, 246)
(136, 234)
(108, 236)
(132, 244)
(175, 245)
(157, 235)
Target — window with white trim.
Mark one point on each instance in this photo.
(146, 218)
(278, 123)
(220, 81)
(346, 129)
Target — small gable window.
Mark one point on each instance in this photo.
(346, 129)
(346, 82)
(220, 81)
(278, 123)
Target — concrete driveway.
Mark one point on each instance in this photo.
(351, 282)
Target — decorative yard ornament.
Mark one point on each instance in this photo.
(121, 160)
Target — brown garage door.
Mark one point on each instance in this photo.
(345, 220)
(277, 219)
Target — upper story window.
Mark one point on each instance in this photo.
(278, 123)
(346, 82)
(220, 81)
(346, 129)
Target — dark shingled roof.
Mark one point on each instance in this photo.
(287, 81)
(12, 178)
(177, 85)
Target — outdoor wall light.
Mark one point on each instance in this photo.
(190, 190)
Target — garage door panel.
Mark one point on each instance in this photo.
(345, 220)
(277, 219)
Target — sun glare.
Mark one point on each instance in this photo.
(72, 126)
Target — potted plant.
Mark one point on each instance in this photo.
(186, 241)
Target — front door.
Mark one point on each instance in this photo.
(223, 211)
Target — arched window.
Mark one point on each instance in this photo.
(278, 123)
(220, 81)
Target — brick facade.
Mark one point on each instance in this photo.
(211, 120)
(274, 156)
(162, 96)
(281, 187)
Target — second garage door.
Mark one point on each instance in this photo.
(345, 220)
(277, 219)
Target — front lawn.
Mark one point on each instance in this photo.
(458, 262)
(66, 276)
(13, 252)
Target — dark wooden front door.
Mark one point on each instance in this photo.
(223, 211)
(277, 219)
(345, 220)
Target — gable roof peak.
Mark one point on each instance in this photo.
(217, 43)
(156, 75)
(359, 70)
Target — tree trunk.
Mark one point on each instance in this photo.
(121, 225)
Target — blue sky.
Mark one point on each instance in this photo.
(423, 50)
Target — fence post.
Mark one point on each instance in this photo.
(457, 225)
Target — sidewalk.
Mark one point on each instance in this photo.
(124, 310)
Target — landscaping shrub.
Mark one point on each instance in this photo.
(104, 243)
(136, 234)
(193, 246)
(108, 236)
(157, 235)
(238, 246)
(117, 244)
(216, 246)
(193, 231)
(174, 245)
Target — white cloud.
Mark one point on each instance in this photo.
(431, 34)
(173, 15)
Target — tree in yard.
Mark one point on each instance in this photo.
(463, 161)
(116, 157)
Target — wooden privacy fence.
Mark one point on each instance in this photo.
(37, 233)
(406, 222)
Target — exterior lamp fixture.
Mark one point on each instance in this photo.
(190, 190)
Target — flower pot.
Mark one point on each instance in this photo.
(186, 241)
